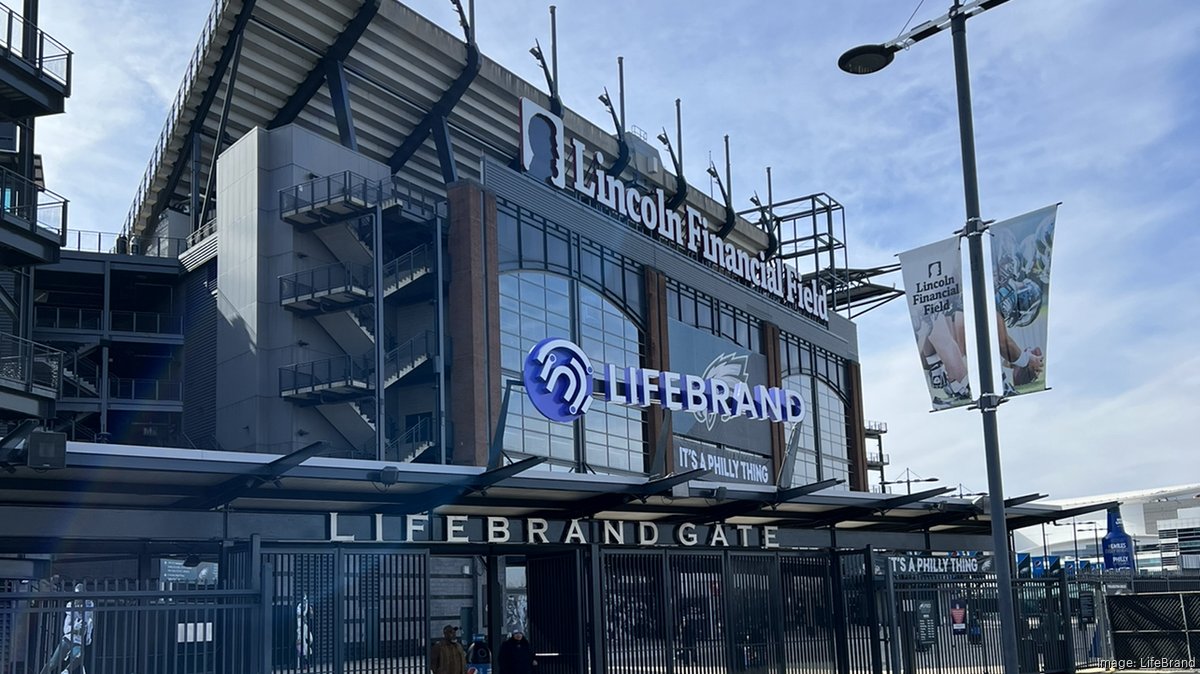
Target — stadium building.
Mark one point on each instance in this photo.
(393, 339)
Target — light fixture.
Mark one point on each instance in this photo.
(712, 171)
(866, 59)
(662, 138)
(605, 99)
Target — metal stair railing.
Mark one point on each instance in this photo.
(325, 372)
(50, 58)
(404, 358)
(407, 265)
(343, 187)
(30, 364)
(32, 207)
(416, 438)
(323, 279)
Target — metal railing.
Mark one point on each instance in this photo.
(206, 230)
(167, 626)
(145, 389)
(35, 208)
(80, 386)
(407, 265)
(877, 426)
(50, 58)
(416, 438)
(145, 321)
(178, 106)
(325, 372)
(77, 318)
(880, 458)
(30, 364)
(67, 318)
(337, 187)
(407, 354)
(323, 279)
(107, 242)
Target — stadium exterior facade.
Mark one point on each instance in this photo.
(303, 366)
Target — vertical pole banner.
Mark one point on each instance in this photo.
(1021, 249)
(934, 281)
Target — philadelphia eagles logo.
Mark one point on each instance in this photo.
(730, 368)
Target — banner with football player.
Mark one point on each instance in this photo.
(1021, 249)
(933, 280)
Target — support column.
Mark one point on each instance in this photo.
(770, 348)
(472, 328)
(659, 434)
(857, 444)
(339, 95)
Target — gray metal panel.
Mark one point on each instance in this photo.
(841, 338)
(200, 356)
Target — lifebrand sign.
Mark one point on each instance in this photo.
(544, 156)
(451, 529)
(561, 382)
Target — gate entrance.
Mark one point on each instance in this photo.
(557, 605)
(347, 610)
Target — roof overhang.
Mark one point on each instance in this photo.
(194, 483)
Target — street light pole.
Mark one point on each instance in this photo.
(988, 400)
(871, 58)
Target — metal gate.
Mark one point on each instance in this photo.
(359, 611)
(1160, 625)
(685, 612)
(557, 604)
(953, 624)
(121, 626)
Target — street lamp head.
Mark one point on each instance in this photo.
(867, 59)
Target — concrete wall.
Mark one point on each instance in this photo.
(255, 335)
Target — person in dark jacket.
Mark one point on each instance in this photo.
(516, 655)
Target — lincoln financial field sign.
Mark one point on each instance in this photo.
(544, 156)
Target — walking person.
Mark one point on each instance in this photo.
(447, 656)
(76, 633)
(516, 655)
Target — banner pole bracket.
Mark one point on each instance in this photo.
(975, 227)
(988, 403)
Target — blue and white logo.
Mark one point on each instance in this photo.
(558, 379)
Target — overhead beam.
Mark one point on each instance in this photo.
(1021, 500)
(726, 511)
(339, 95)
(878, 505)
(445, 152)
(206, 101)
(441, 109)
(619, 499)
(236, 487)
(1022, 521)
(449, 493)
(337, 52)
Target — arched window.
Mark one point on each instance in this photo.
(534, 305)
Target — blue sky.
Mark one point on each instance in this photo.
(1090, 103)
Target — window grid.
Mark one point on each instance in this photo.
(535, 305)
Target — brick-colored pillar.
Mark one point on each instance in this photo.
(658, 357)
(472, 323)
(856, 431)
(770, 348)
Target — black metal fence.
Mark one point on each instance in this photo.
(1156, 626)
(691, 612)
(348, 611)
(119, 627)
(952, 623)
